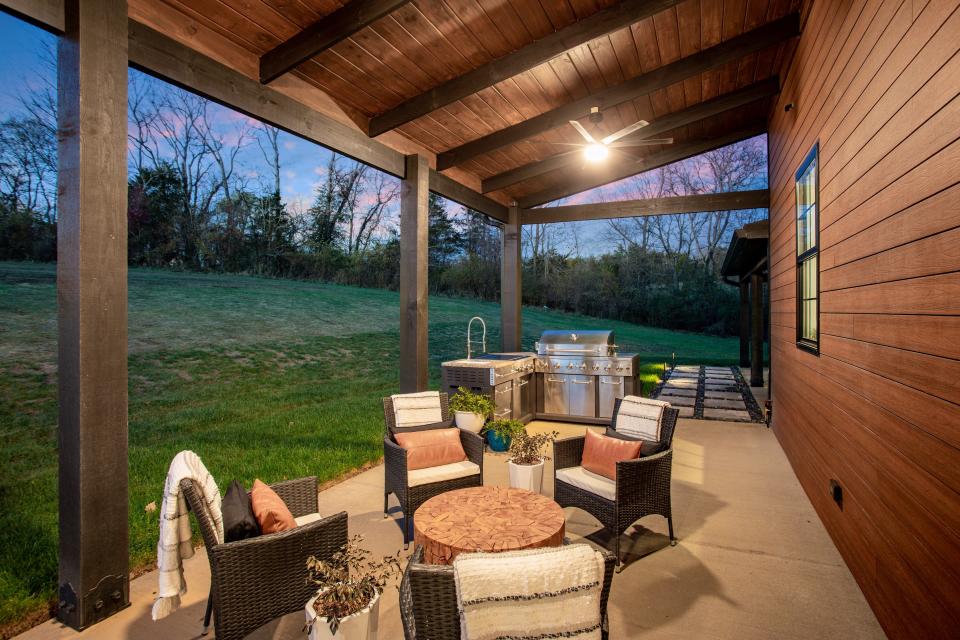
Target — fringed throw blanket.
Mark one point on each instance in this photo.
(640, 418)
(530, 595)
(175, 542)
(415, 409)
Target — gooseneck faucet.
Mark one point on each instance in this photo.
(470, 324)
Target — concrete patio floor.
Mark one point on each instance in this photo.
(753, 560)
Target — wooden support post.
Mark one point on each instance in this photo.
(510, 282)
(756, 330)
(414, 226)
(92, 307)
(744, 323)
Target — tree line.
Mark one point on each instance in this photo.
(204, 194)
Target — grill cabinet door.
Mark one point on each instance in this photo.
(611, 388)
(583, 396)
(555, 390)
(503, 401)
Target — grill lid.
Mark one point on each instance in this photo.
(590, 342)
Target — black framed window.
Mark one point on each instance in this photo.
(808, 250)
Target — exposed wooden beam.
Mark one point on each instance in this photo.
(728, 201)
(511, 266)
(414, 224)
(46, 14)
(733, 100)
(536, 53)
(580, 181)
(323, 34)
(92, 312)
(461, 194)
(729, 51)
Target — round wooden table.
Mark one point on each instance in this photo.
(486, 519)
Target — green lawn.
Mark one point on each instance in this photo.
(263, 378)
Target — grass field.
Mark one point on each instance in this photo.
(263, 378)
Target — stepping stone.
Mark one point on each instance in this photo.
(690, 393)
(717, 376)
(727, 414)
(685, 412)
(683, 382)
(724, 404)
(683, 374)
(686, 367)
(717, 370)
(723, 395)
(720, 387)
(678, 401)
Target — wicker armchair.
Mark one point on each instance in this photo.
(396, 480)
(256, 580)
(428, 599)
(642, 485)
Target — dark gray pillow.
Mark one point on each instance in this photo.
(239, 523)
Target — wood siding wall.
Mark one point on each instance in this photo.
(876, 83)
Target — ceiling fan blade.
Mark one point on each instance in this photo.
(559, 144)
(613, 137)
(586, 134)
(643, 143)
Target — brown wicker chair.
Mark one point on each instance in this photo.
(256, 580)
(642, 485)
(428, 599)
(395, 468)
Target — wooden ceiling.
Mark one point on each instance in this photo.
(399, 51)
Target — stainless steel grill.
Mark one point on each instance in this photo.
(581, 374)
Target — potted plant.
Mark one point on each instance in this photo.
(501, 432)
(470, 409)
(347, 604)
(527, 453)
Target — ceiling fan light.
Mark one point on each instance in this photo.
(596, 152)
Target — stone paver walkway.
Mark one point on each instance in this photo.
(711, 393)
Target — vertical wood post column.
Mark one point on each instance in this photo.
(510, 283)
(756, 330)
(414, 227)
(744, 323)
(92, 311)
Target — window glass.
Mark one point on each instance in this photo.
(808, 284)
(807, 208)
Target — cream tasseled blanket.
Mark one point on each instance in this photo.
(538, 593)
(175, 543)
(415, 409)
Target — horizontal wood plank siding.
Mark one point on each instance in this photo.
(877, 84)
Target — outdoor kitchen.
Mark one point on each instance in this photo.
(572, 376)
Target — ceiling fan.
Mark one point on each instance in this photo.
(597, 150)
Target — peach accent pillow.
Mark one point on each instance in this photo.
(431, 448)
(270, 510)
(602, 453)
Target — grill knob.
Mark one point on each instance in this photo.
(569, 365)
(596, 367)
(583, 367)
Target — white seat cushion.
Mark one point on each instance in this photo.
(583, 479)
(307, 519)
(450, 471)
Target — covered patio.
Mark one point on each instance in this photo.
(473, 101)
(753, 559)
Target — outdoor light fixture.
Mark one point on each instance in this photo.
(596, 152)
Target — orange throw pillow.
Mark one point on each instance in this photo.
(431, 448)
(602, 453)
(270, 510)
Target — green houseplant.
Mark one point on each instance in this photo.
(349, 585)
(470, 410)
(501, 432)
(527, 454)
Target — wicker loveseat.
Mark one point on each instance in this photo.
(256, 580)
(642, 487)
(398, 481)
(428, 599)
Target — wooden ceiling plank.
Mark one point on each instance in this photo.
(527, 57)
(323, 34)
(577, 182)
(727, 52)
(727, 201)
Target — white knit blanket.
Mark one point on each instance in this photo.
(640, 418)
(415, 409)
(539, 593)
(175, 542)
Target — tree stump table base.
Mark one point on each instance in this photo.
(486, 519)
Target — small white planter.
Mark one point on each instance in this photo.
(363, 625)
(526, 476)
(469, 421)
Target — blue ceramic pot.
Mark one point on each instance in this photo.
(497, 443)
